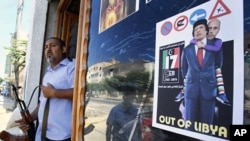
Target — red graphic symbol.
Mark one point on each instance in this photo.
(220, 9)
(181, 23)
(166, 28)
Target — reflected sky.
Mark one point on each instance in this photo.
(133, 38)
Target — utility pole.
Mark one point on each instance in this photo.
(15, 36)
(19, 18)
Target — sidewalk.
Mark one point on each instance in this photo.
(6, 107)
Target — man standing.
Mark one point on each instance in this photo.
(57, 92)
(214, 28)
(198, 69)
(121, 120)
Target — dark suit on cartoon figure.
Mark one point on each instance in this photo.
(201, 85)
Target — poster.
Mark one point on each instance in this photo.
(113, 11)
(199, 114)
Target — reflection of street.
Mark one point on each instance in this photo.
(97, 112)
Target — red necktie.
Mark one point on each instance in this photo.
(200, 56)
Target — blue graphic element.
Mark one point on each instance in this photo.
(166, 28)
(197, 15)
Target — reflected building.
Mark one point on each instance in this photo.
(102, 70)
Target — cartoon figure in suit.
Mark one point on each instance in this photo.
(198, 68)
(214, 28)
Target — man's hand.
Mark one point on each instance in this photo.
(48, 91)
(23, 126)
(200, 44)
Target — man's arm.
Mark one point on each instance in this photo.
(23, 125)
(34, 114)
(108, 132)
(216, 47)
(184, 64)
(193, 41)
(219, 59)
(50, 92)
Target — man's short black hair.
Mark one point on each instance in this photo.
(199, 22)
(62, 43)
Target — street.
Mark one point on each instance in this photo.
(97, 111)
